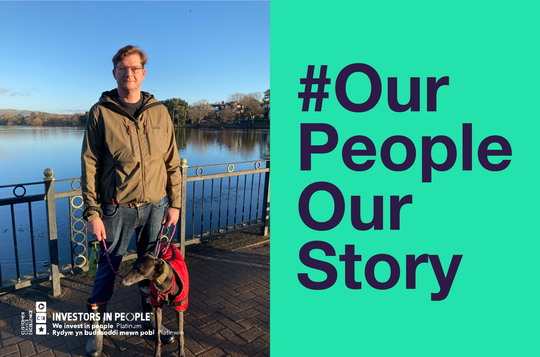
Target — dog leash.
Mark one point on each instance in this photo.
(109, 259)
(165, 248)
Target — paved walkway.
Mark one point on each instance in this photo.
(228, 312)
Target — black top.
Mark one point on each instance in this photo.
(131, 108)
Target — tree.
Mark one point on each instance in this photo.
(236, 97)
(226, 114)
(211, 115)
(56, 120)
(257, 95)
(199, 110)
(266, 103)
(4, 118)
(37, 122)
(252, 104)
(178, 109)
(83, 118)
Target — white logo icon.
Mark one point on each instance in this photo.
(41, 329)
(41, 317)
(41, 306)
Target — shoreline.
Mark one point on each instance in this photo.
(218, 126)
(224, 126)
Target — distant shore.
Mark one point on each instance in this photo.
(218, 125)
(226, 126)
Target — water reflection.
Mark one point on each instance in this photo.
(209, 146)
(26, 151)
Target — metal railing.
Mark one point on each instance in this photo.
(214, 216)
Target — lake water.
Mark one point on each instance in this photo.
(26, 151)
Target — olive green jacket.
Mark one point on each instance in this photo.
(128, 159)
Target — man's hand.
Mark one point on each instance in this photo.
(171, 216)
(97, 228)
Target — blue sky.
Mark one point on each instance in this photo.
(55, 57)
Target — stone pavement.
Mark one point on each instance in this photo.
(228, 313)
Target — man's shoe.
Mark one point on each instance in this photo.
(94, 346)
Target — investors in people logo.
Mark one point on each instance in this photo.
(41, 318)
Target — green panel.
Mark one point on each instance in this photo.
(490, 54)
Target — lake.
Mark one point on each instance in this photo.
(26, 151)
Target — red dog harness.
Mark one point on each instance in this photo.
(174, 257)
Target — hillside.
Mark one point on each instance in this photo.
(16, 112)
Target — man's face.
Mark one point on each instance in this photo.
(127, 80)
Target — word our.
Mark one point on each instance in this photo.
(376, 223)
(433, 85)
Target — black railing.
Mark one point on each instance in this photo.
(237, 199)
(227, 200)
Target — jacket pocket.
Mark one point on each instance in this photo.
(109, 210)
(128, 182)
(155, 180)
(157, 139)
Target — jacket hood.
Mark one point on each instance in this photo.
(108, 96)
(108, 99)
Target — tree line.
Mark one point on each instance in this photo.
(249, 105)
(44, 119)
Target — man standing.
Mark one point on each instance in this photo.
(129, 164)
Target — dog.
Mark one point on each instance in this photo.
(170, 285)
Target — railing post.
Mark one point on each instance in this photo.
(53, 233)
(183, 171)
(266, 202)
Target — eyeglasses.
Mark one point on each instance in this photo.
(124, 69)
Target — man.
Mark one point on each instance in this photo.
(129, 164)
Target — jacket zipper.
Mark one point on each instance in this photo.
(140, 147)
(142, 165)
(131, 140)
(147, 140)
(122, 111)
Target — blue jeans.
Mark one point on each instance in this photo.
(120, 222)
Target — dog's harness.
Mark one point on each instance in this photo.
(173, 258)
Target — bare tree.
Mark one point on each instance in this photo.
(252, 104)
(211, 115)
(256, 95)
(236, 97)
(226, 114)
(199, 110)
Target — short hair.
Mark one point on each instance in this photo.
(128, 51)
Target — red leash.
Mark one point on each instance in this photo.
(166, 246)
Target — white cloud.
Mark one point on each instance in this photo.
(12, 93)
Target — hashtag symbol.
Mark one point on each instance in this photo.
(320, 94)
